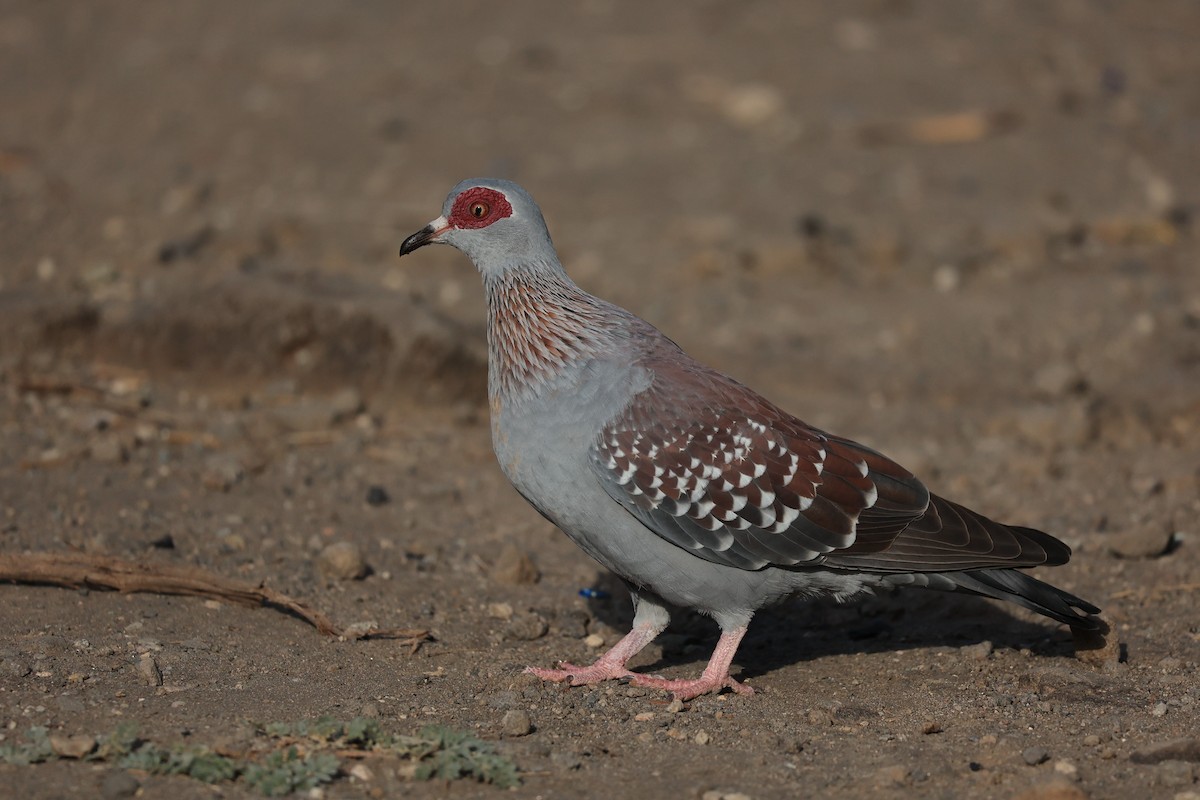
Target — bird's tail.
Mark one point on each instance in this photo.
(1013, 586)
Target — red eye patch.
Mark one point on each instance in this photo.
(479, 207)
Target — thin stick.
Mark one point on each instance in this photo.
(83, 571)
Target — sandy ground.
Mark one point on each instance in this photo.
(962, 233)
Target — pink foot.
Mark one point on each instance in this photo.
(581, 676)
(686, 690)
(609, 666)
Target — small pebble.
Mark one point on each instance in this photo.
(72, 746)
(571, 622)
(1091, 740)
(502, 611)
(526, 627)
(1035, 755)
(675, 706)
(514, 567)
(516, 723)
(377, 496)
(1059, 379)
(1098, 648)
(13, 668)
(1159, 710)
(1174, 773)
(1066, 769)
(1146, 540)
(892, 776)
(977, 652)
(931, 727)
(118, 785)
(342, 561)
(148, 669)
(1057, 789)
(107, 448)
(643, 716)
(702, 738)
(594, 641)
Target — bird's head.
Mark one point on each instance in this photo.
(495, 223)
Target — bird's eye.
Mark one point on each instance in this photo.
(480, 210)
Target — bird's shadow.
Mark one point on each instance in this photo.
(801, 629)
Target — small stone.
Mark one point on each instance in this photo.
(148, 669)
(46, 268)
(1159, 710)
(702, 738)
(1059, 379)
(752, 105)
(1057, 789)
(345, 404)
(571, 622)
(1170, 664)
(502, 611)
(362, 772)
(643, 716)
(516, 723)
(1098, 648)
(514, 567)
(342, 561)
(1035, 755)
(594, 641)
(566, 760)
(377, 496)
(118, 785)
(14, 668)
(72, 746)
(892, 776)
(1091, 740)
(946, 278)
(931, 727)
(503, 700)
(526, 627)
(1174, 773)
(1147, 540)
(107, 448)
(977, 652)
(675, 706)
(1186, 749)
(1066, 769)
(221, 472)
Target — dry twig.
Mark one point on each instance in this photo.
(82, 571)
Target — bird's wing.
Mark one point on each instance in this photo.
(712, 467)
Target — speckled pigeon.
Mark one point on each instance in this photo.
(691, 487)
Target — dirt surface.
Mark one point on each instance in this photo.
(960, 232)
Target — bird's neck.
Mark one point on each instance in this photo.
(540, 324)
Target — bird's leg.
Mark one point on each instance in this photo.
(715, 677)
(649, 620)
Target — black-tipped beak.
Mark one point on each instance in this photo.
(427, 235)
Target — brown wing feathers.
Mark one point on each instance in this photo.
(717, 470)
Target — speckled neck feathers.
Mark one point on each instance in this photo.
(540, 324)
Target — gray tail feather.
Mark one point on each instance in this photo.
(1015, 587)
